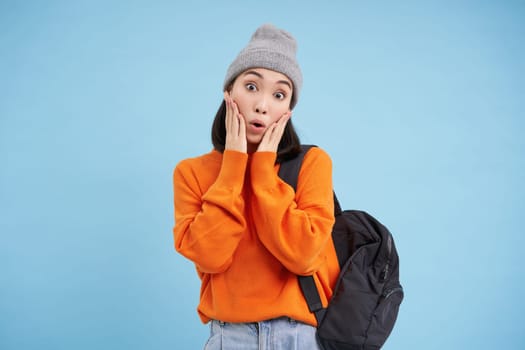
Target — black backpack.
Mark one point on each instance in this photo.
(364, 307)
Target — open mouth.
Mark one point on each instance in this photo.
(257, 124)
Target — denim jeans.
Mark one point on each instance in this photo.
(276, 334)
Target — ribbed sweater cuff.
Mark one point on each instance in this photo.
(262, 169)
(233, 169)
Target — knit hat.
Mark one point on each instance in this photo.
(270, 48)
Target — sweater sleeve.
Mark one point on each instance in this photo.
(209, 226)
(294, 227)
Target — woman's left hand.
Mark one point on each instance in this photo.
(273, 135)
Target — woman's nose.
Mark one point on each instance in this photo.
(261, 106)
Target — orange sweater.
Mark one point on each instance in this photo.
(250, 235)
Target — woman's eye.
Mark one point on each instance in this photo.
(280, 95)
(251, 87)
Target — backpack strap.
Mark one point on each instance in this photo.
(289, 172)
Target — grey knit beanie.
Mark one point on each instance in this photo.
(270, 48)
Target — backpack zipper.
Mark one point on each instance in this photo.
(386, 270)
(387, 293)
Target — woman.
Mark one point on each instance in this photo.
(248, 232)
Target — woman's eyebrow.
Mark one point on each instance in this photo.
(259, 75)
(285, 83)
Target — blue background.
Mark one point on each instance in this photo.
(419, 103)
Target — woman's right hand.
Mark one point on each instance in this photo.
(235, 126)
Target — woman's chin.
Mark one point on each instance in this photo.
(254, 139)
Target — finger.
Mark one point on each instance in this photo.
(270, 136)
(242, 127)
(278, 131)
(281, 126)
(264, 145)
(236, 118)
(228, 118)
(284, 119)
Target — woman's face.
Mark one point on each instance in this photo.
(263, 96)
